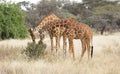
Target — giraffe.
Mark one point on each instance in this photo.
(41, 27)
(77, 30)
(72, 29)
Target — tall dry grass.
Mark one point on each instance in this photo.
(106, 59)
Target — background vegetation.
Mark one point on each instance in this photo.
(12, 21)
(102, 15)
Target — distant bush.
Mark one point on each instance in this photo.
(34, 51)
(12, 21)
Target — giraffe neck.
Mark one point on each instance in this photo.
(45, 21)
(42, 24)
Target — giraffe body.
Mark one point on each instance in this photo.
(80, 31)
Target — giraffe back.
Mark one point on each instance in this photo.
(75, 28)
(81, 30)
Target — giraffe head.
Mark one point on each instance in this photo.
(32, 34)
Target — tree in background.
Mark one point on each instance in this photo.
(77, 9)
(90, 4)
(12, 21)
(43, 8)
(106, 18)
(102, 15)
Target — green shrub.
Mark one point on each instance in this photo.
(34, 51)
(12, 21)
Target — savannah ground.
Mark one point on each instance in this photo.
(106, 58)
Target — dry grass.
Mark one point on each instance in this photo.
(106, 58)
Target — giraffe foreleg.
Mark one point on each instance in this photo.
(57, 43)
(52, 44)
(71, 48)
(64, 45)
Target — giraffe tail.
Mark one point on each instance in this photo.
(91, 49)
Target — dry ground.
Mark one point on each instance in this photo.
(106, 59)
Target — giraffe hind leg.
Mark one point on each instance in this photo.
(52, 44)
(88, 48)
(83, 48)
(64, 45)
(57, 43)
